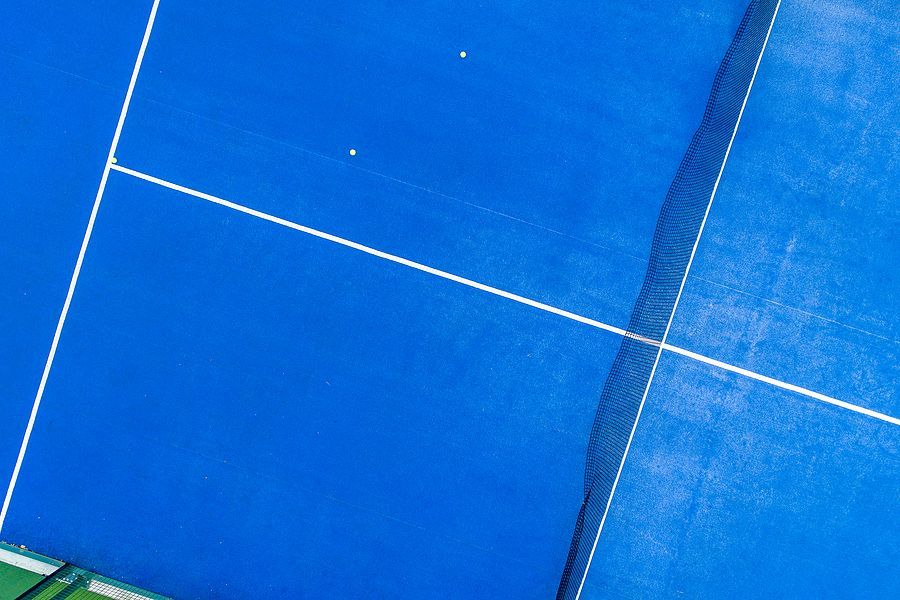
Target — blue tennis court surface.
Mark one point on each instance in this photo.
(357, 278)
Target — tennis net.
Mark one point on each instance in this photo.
(677, 232)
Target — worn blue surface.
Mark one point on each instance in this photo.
(238, 407)
(734, 488)
(799, 259)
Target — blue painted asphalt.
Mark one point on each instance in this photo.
(359, 429)
(525, 125)
(87, 40)
(796, 274)
(734, 488)
(497, 167)
(230, 382)
(61, 94)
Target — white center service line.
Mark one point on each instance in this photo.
(78, 262)
(498, 292)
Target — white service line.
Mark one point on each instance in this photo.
(368, 250)
(687, 270)
(79, 261)
(28, 563)
(498, 292)
(783, 385)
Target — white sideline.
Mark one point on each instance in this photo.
(79, 261)
(502, 293)
(675, 305)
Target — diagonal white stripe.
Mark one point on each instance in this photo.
(783, 385)
(498, 292)
(368, 250)
(79, 261)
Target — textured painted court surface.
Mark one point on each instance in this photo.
(15, 581)
(733, 488)
(231, 396)
(66, 71)
(797, 268)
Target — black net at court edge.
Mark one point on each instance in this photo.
(677, 230)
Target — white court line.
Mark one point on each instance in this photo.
(498, 292)
(424, 268)
(783, 385)
(79, 261)
(687, 270)
(356, 246)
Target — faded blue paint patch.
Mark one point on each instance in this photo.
(734, 488)
(800, 250)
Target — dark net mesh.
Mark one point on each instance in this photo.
(677, 231)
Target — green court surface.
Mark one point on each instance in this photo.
(59, 589)
(15, 581)
(26, 575)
